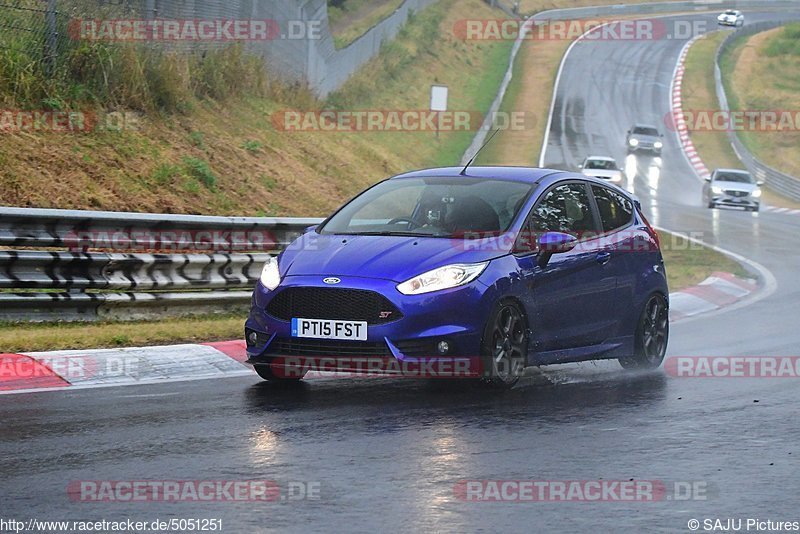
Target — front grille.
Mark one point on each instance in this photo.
(327, 348)
(737, 194)
(333, 303)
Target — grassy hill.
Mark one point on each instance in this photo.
(204, 141)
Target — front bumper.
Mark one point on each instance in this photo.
(456, 316)
(730, 200)
(726, 22)
(649, 149)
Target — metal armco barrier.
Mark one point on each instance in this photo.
(131, 265)
(781, 182)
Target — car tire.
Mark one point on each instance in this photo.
(711, 205)
(755, 208)
(652, 335)
(265, 371)
(504, 350)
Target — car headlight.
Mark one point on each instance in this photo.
(445, 277)
(658, 144)
(716, 190)
(756, 193)
(270, 275)
(633, 142)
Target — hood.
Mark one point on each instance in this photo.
(396, 258)
(643, 137)
(734, 186)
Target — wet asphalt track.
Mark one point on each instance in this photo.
(388, 452)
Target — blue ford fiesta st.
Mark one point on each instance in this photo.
(478, 272)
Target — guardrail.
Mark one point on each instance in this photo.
(781, 182)
(83, 266)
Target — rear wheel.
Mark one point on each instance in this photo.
(266, 372)
(652, 334)
(505, 346)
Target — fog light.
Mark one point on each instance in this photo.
(443, 347)
(252, 338)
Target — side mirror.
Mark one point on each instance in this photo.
(580, 165)
(554, 243)
(311, 228)
(708, 179)
(760, 183)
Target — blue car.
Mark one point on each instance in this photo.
(478, 272)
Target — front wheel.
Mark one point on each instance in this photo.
(652, 334)
(505, 346)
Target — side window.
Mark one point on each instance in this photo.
(565, 208)
(616, 211)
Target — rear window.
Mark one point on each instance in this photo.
(616, 210)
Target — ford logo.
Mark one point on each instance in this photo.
(331, 280)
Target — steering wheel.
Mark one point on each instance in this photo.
(411, 222)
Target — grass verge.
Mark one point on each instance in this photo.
(689, 264)
(49, 336)
(699, 94)
(229, 157)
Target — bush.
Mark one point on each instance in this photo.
(199, 169)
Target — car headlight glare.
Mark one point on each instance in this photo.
(756, 193)
(445, 277)
(658, 144)
(716, 190)
(633, 142)
(270, 275)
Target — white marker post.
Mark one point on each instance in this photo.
(438, 102)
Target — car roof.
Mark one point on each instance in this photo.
(604, 158)
(518, 174)
(642, 125)
(531, 175)
(737, 171)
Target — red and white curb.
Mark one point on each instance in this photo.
(715, 292)
(80, 369)
(678, 120)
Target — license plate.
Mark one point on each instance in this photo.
(329, 329)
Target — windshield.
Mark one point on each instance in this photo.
(602, 164)
(731, 13)
(740, 177)
(645, 130)
(435, 207)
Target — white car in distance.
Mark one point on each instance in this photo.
(731, 17)
(603, 167)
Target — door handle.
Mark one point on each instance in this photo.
(603, 257)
